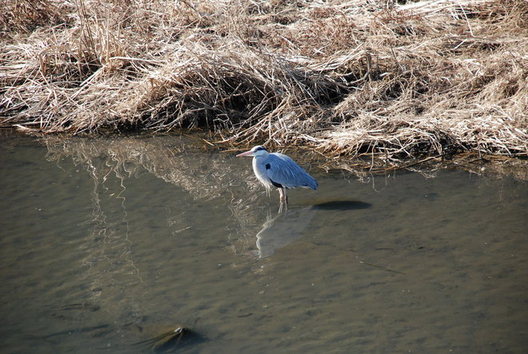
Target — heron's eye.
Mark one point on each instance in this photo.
(268, 166)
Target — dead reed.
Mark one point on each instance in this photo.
(396, 79)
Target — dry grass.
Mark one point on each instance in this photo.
(343, 77)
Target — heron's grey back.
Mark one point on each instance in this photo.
(282, 170)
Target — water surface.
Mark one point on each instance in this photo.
(106, 243)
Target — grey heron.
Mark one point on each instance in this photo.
(278, 170)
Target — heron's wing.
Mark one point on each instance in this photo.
(283, 171)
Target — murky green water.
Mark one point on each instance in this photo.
(107, 243)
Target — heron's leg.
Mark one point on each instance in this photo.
(283, 199)
(281, 195)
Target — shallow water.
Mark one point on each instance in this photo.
(106, 243)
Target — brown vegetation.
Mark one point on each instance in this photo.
(396, 79)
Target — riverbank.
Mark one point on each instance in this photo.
(416, 80)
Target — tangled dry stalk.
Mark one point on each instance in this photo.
(397, 79)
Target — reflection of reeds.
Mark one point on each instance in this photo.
(176, 161)
(204, 176)
(108, 257)
(345, 77)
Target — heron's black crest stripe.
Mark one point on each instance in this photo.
(260, 148)
(268, 166)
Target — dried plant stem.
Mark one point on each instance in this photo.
(427, 78)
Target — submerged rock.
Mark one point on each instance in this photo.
(172, 339)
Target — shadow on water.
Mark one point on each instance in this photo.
(341, 205)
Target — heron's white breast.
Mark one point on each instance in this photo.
(260, 171)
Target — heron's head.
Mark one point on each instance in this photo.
(256, 151)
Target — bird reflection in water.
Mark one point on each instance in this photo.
(288, 226)
(283, 229)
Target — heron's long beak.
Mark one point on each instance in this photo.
(247, 153)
